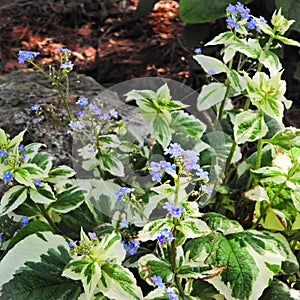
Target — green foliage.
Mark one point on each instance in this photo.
(40, 280)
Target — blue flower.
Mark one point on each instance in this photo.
(37, 182)
(206, 189)
(171, 293)
(168, 167)
(231, 8)
(82, 101)
(113, 113)
(251, 24)
(3, 153)
(175, 150)
(21, 147)
(123, 191)
(26, 55)
(165, 236)
(67, 65)
(157, 280)
(190, 159)
(95, 109)
(231, 22)
(80, 113)
(23, 156)
(92, 235)
(262, 19)
(1, 236)
(7, 176)
(211, 72)
(74, 125)
(72, 243)
(24, 221)
(174, 211)
(132, 247)
(198, 51)
(204, 175)
(35, 107)
(245, 13)
(105, 117)
(124, 224)
(60, 49)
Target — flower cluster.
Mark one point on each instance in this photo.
(157, 280)
(174, 211)
(239, 15)
(165, 236)
(132, 247)
(84, 247)
(23, 56)
(123, 191)
(157, 169)
(188, 158)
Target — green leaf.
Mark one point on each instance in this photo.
(15, 142)
(291, 10)
(23, 252)
(186, 124)
(86, 270)
(237, 82)
(109, 141)
(3, 137)
(150, 230)
(222, 38)
(42, 194)
(210, 63)
(257, 193)
(287, 41)
(195, 11)
(43, 160)
(67, 200)
(60, 173)
(110, 163)
(252, 259)
(192, 228)
(210, 95)
(150, 265)
(204, 290)
(110, 249)
(160, 129)
(12, 199)
(220, 223)
(249, 127)
(34, 171)
(43, 280)
(286, 139)
(22, 176)
(118, 282)
(245, 49)
(270, 60)
(30, 228)
(279, 291)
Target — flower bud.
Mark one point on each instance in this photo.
(280, 23)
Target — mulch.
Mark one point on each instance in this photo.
(107, 42)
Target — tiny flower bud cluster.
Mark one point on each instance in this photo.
(84, 247)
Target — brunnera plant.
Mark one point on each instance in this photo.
(99, 238)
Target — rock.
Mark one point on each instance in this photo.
(23, 88)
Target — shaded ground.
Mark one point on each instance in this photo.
(108, 43)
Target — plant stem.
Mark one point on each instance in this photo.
(230, 156)
(278, 191)
(49, 220)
